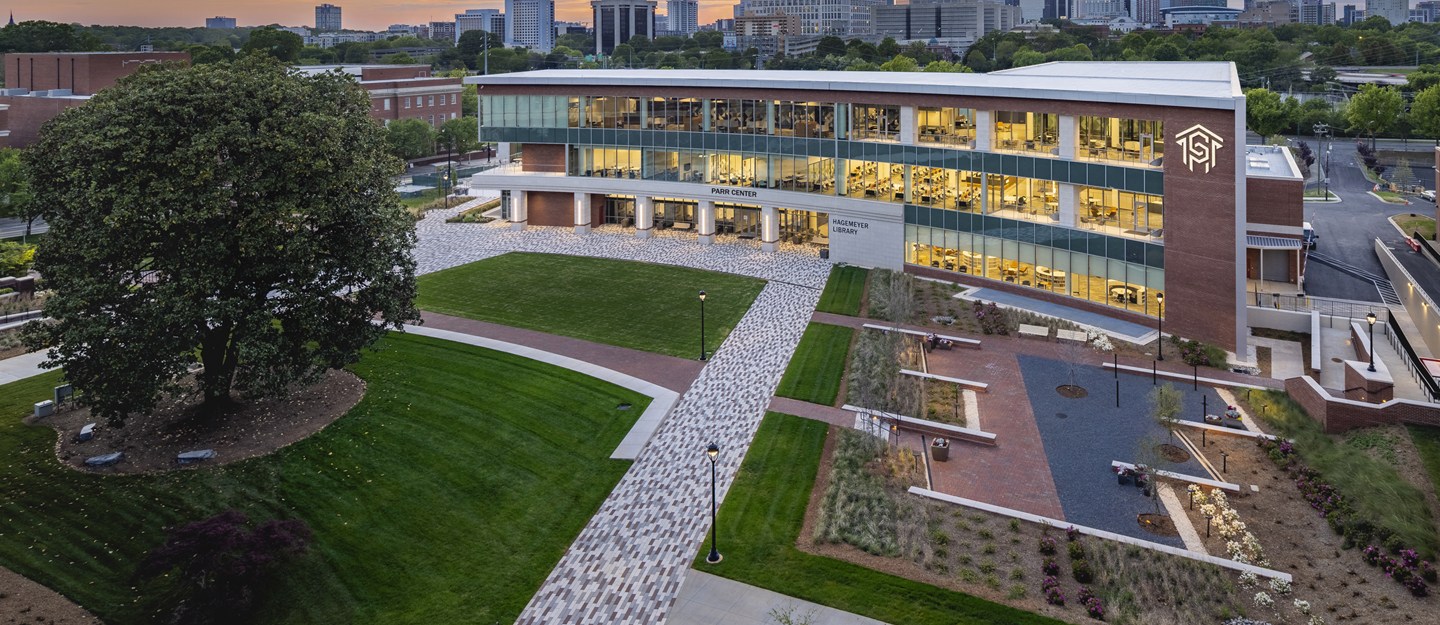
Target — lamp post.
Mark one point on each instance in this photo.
(1160, 342)
(714, 452)
(1371, 348)
(1207, 525)
(702, 327)
(1224, 462)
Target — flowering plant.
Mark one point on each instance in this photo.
(1248, 579)
(1099, 340)
(1417, 586)
(1050, 567)
(1280, 586)
(1091, 603)
(1047, 546)
(1072, 534)
(1123, 471)
(1049, 582)
(1302, 606)
(1054, 597)
(1263, 600)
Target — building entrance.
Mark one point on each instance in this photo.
(620, 210)
(675, 213)
(738, 219)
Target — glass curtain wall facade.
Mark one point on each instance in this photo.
(1002, 223)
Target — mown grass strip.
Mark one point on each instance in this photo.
(818, 365)
(844, 291)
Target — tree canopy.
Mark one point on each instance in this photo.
(42, 36)
(1266, 113)
(410, 138)
(1374, 109)
(239, 216)
(280, 44)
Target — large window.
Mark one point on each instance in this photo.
(1035, 133)
(1134, 215)
(946, 126)
(874, 123)
(813, 120)
(1128, 141)
(1023, 198)
(1107, 281)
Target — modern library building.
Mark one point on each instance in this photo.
(1124, 189)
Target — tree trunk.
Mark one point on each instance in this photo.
(218, 354)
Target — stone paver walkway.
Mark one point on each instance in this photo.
(707, 599)
(676, 374)
(818, 412)
(628, 563)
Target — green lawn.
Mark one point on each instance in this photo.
(1411, 224)
(760, 521)
(1371, 486)
(818, 364)
(445, 496)
(654, 308)
(1427, 442)
(844, 291)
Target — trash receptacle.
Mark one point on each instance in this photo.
(825, 253)
(940, 450)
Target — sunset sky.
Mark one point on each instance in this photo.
(357, 14)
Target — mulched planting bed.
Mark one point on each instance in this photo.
(1173, 453)
(1157, 524)
(1337, 582)
(151, 442)
(1071, 391)
(1000, 559)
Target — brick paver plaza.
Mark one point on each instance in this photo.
(628, 563)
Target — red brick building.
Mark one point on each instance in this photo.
(404, 92)
(40, 86)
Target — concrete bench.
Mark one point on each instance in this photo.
(1071, 335)
(87, 432)
(191, 457)
(1039, 331)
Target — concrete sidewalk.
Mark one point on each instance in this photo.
(21, 367)
(707, 599)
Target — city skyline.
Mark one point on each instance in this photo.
(373, 15)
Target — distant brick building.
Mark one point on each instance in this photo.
(40, 86)
(404, 92)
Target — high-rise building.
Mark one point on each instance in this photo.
(818, 17)
(219, 22)
(944, 19)
(327, 17)
(1350, 15)
(442, 31)
(488, 20)
(530, 23)
(1317, 12)
(616, 21)
(1397, 11)
(1427, 12)
(1269, 14)
(683, 16)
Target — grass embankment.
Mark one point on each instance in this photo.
(818, 364)
(761, 519)
(1393, 198)
(1371, 486)
(1412, 223)
(844, 291)
(445, 496)
(1320, 195)
(653, 308)
(1427, 443)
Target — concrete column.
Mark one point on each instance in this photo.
(706, 227)
(582, 213)
(984, 130)
(1067, 196)
(842, 178)
(769, 229)
(519, 217)
(907, 125)
(1069, 136)
(502, 152)
(644, 218)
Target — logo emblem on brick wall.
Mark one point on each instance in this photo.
(1198, 146)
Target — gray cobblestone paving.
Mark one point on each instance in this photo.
(628, 563)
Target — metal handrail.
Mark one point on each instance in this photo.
(1412, 361)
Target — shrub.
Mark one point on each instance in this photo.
(219, 566)
(991, 318)
(1081, 570)
(1091, 603)
(1017, 574)
(969, 575)
(1417, 586)
(987, 567)
(1280, 586)
(1050, 567)
(1053, 596)
(1047, 546)
(1077, 550)
(940, 538)
(15, 258)
(1263, 600)
(1017, 591)
(855, 509)
(940, 554)
(986, 534)
(1072, 534)
(992, 582)
(1014, 525)
(988, 548)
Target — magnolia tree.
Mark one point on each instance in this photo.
(240, 216)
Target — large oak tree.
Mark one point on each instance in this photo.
(241, 216)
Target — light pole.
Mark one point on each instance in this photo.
(714, 452)
(1371, 318)
(1160, 342)
(702, 327)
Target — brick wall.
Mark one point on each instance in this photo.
(597, 209)
(1339, 415)
(27, 114)
(1274, 202)
(85, 74)
(543, 157)
(547, 208)
(399, 91)
(396, 72)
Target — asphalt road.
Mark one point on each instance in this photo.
(1348, 229)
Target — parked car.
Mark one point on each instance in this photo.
(1428, 196)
